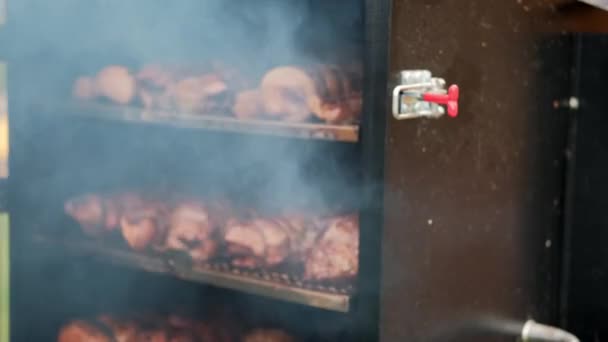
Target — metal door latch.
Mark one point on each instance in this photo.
(419, 94)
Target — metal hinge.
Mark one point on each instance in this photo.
(419, 94)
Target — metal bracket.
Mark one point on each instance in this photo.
(421, 95)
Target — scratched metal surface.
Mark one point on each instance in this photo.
(473, 204)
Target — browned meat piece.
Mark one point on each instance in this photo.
(197, 93)
(289, 93)
(188, 95)
(355, 106)
(85, 88)
(88, 211)
(304, 233)
(336, 254)
(354, 74)
(340, 97)
(257, 242)
(268, 335)
(116, 83)
(245, 242)
(270, 241)
(97, 214)
(191, 226)
(332, 94)
(139, 229)
(143, 225)
(81, 331)
(202, 89)
(124, 331)
(276, 241)
(248, 104)
(116, 205)
(339, 112)
(112, 213)
(290, 232)
(212, 84)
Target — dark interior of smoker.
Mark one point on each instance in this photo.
(584, 291)
(54, 156)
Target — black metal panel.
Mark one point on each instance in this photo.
(473, 204)
(588, 277)
(372, 144)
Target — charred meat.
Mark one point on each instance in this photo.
(192, 229)
(336, 253)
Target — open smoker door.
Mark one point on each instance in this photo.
(473, 204)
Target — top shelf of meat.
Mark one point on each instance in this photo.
(315, 101)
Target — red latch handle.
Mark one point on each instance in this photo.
(450, 99)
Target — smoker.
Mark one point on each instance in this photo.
(287, 170)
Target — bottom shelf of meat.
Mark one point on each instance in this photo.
(305, 259)
(172, 328)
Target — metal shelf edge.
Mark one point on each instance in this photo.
(342, 133)
(223, 279)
